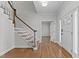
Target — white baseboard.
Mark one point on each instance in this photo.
(35, 48)
(75, 55)
(51, 40)
(68, 51)
(23, 46)
(58, 43)
(40, 41)
(2, 53)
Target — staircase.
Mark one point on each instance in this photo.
(26, 36)
(25, 32)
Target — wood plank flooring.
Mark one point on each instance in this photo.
(46, 49)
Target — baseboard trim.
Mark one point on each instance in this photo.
(63, 47)
(67, 52)
(23, 47)
(75, 55)
(58, 43)
(4, 52)
(45, 36)
(40, 41)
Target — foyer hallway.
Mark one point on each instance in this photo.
(46, 49)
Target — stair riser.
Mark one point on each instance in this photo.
(25, 35)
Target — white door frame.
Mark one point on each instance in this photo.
(75, 31)
(41, 26)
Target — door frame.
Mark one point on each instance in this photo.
(75, 31)
(41, 26)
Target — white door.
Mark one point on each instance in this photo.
(67, 33)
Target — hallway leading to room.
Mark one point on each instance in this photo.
(46, 49)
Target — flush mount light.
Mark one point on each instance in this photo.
(44, 3)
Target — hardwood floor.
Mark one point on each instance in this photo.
(46, 49)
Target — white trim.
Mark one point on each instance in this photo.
(40, 41)
(60, 31)
(68, 51)
(58, 43)
(41, 26)
(51, 40)
(35, 48)
(75, 32)
(19, 46)
(2, 53)
(73, 55)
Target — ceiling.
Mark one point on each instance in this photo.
(52, 7)
(25, 5)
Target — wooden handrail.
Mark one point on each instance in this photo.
(11, 5)
(14, 13)
(14, 18)
(19, 17)
(25, 23)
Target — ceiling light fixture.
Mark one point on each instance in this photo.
(44, 3)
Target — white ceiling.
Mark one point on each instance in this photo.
(25, 5)
(28, 7)
(52, 7)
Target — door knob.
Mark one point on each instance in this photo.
(61, 33)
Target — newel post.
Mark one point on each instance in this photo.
(14, 15)
(35, 38)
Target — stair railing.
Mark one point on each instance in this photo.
(14, 15)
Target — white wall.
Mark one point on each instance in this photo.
(45, 28)
(66, 9)
(6, 33)
(53, 31)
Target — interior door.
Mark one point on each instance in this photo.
(67, 33)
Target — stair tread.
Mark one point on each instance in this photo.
(26, 34)
(21, 31)
(27, 38)
(18, 28)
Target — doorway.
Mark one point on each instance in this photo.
(45, 31)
